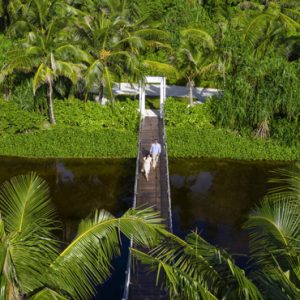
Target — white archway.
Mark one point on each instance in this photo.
(142, 94)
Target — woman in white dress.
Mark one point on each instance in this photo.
(147, 165)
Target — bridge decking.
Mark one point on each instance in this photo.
(155, 193)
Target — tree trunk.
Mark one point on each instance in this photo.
(101, 92)
(5, 17)
(50, 103)
(190, 88)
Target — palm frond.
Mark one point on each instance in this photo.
(69, 70)
(22, 199)
(86, 261)
(198, 36)
(179, 284)
(66, 51)
(288, 181)
(28, 223)
(274, 231)
(41, 76)
(159, 68)
(153, 33)
(201, 267)
(93, 74)
(47, 294)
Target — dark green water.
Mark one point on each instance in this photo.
(78, 187)
(211, 195)
(215, 197)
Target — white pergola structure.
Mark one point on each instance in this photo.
(142, 94)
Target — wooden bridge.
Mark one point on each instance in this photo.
(140, 284)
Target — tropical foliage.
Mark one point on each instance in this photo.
(248, 49)
(84, 130)
(195, 269)
(32, 264)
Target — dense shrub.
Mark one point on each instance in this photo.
(70, 142)
(286, 131)
(178, 114)
(15, 120)
(120, 115)
(191, 134)
(219, 143)
(256, 94)
(83, 130)
(5, 45)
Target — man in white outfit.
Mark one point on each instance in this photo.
(155, 151)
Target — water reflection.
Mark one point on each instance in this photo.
(215, 197)
(77, 188)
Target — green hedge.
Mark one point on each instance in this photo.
(91, 130)
(70, 142)
(190, 133)
(75, 113)
(5, 45)
(14, 120)
(82, 130)
(219, 143)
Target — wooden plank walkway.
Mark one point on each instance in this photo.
(154, 193)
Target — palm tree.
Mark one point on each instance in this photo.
(194, 269)
(114, 39)
(195, 56)
(47, 54)
(278, 25)
(32, 266)
(274, 237)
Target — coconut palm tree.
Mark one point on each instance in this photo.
(278, 25)
(195, 56)
(114, 38)
(46, 54)
(194, 269)
(32, 265)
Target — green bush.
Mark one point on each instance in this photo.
(286, 131)
(5, 45)
(70, 142)
(82, 130)
(219, 143)
(179, 114)
(190, 133)
(14, 120)
(120, 115)
(23, 95)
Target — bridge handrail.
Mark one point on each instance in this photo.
(167, 170)
(128, 269)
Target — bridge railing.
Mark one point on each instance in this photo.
(167, 171)
(137, 170)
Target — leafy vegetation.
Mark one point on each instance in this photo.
(222, 143)
(191, 133)
(84, 130)
(194, 269)
(80, 49)
(33, 263)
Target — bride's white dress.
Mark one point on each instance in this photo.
(147, 165)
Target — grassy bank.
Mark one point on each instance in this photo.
(82, 130)
(91, 130)
(219, 143)
(68, 142)
(191, 134)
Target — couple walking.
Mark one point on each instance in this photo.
(151, 158)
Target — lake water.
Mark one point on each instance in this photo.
(213, 196)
